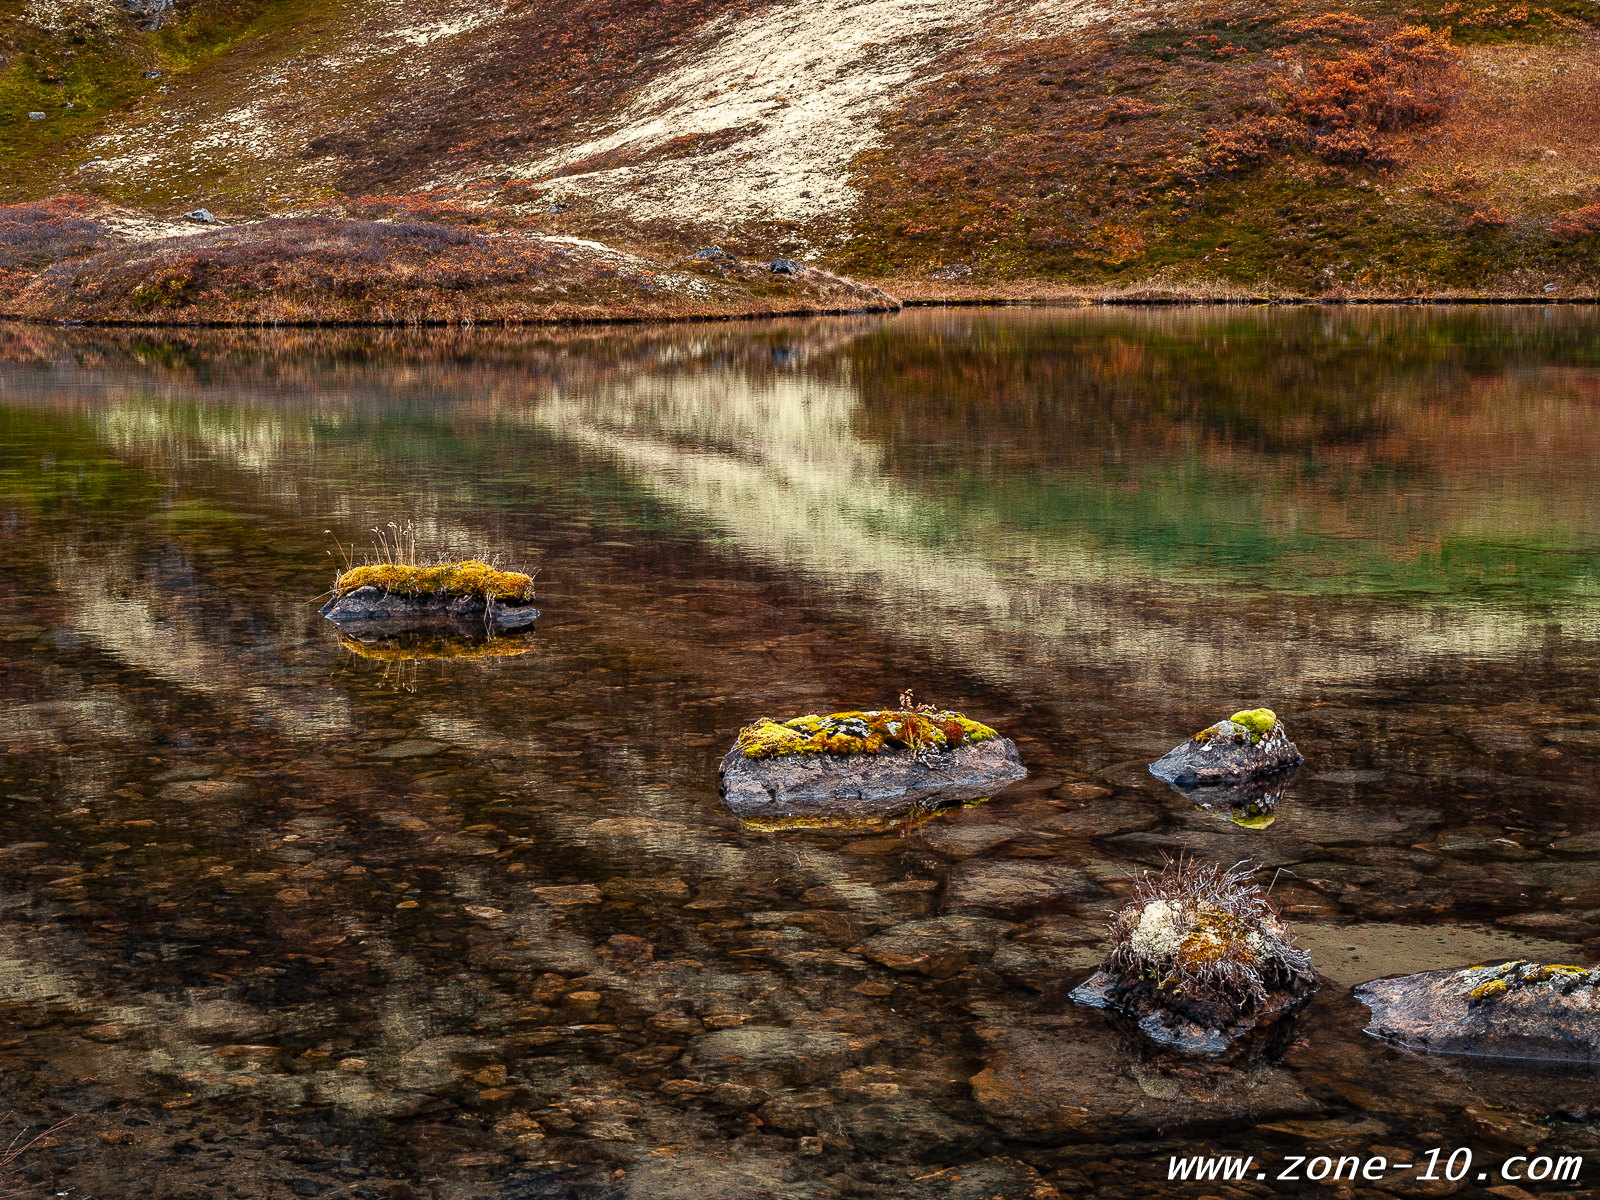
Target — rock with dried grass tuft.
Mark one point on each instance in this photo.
(1200, 958)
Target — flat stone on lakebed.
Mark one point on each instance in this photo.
(410, 748)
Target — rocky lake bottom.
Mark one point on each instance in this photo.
(284, 916)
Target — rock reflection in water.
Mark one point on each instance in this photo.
(268, 928)
(1249, 805)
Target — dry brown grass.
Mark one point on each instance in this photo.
(1528, 117)
(1088, 134)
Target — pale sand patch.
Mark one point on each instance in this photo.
(808, 81)
(1351, 954)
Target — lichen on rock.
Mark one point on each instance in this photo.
(1200, 958)
(866, 762)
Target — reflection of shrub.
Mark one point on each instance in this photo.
(1580, 223)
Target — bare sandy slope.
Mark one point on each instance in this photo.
(800, 87)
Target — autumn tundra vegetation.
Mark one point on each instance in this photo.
(623, 159)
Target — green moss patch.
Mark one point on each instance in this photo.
(468, 578)
(872, 732)
(1259, 721)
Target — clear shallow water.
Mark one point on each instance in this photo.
(287, 920)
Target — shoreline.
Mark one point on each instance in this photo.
(997, 299)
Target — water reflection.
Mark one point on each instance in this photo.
(357, 917)
(1252, 804)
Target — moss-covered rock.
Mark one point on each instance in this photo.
(860, 763)
(1517, 1009)
(467, 578)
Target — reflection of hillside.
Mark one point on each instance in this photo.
(1390, 451)
(777, 465)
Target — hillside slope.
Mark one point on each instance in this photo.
(939, 146)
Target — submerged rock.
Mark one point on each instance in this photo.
(864, 764)
(1252, 804)
(1514, 1010)
(1246, 745)
(1200, 959)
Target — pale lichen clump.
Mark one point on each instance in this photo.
(861, 733)
(468, 578)
(1205, 933)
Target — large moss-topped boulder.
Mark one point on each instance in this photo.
(864, 763)
(1247, 744)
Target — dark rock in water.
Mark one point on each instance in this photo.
(375, 608)
(1514, 1010)
(1072, 1084)
(1252, 804)
(1246, 745)
(1197, 1025)
(890, 781)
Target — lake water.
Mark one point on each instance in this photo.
(284, 916)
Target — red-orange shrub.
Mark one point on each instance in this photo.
(1579, 223)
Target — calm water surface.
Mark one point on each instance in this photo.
(281, 916)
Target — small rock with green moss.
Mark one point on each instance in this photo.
(860, 763)
(1246, 745)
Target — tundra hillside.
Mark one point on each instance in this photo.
(520, 159)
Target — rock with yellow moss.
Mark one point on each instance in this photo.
(1199, 959)
(864, 763)
(1247, 744)
(390, 597)
(1515, 1009)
